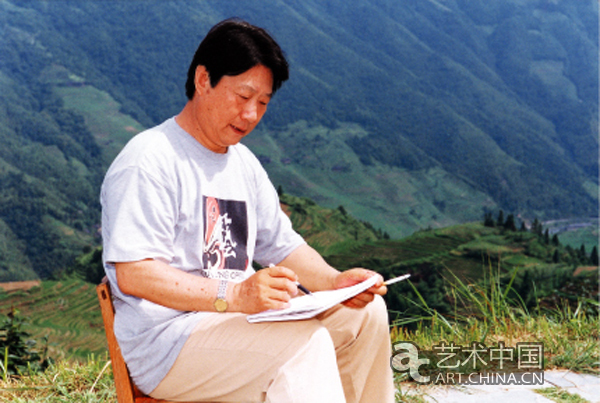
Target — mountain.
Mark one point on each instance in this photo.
(408, 114)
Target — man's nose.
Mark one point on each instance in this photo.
(250, 112)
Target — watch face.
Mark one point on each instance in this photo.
(220, 305)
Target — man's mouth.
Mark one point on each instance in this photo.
(239, 130)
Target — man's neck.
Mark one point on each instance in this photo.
(186, 119)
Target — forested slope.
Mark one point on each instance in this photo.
(410, 114)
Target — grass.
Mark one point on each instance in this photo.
(66, 381)
(561, 396)
(484, 313)
(485, 310)
(487, 313)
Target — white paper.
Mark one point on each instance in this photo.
(308, 306)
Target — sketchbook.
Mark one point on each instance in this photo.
(309, 306)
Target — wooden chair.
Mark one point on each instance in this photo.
(127, 392)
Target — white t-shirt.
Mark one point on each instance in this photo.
(167, 197)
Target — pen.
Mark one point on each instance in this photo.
(303, 288)
(300, 286)
(395, 280)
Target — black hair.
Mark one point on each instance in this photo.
(233, 47)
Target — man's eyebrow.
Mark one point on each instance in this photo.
(253, 90)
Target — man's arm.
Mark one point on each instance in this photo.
(156, 281)
(317, 275)
(269, 288)
(163, 284)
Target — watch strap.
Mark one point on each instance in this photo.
(221, 301)
(222, 292)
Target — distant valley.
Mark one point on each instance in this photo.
(408, 114)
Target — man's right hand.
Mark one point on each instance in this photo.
(269, 288)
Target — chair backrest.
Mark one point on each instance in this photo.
(126, 390)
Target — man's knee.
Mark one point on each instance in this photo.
(303, 332)
(347, 324)
(375, 314)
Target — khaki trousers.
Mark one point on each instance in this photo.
(343, 355)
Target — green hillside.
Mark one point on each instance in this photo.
(327, 230)
(410, 114)
(541, 271)
(67, 311)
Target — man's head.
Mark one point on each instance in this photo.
(233, 47)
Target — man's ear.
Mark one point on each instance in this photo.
(201, 80)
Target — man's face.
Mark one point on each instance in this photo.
(232, 109)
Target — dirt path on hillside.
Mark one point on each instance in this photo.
(584, 268)
(19, 285)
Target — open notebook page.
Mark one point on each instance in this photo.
(308, 306)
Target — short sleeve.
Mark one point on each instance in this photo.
(276, 238)
(139, 216)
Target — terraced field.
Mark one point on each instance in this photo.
(466, 250)
(67, 312)
(421, 247)
(329, 231)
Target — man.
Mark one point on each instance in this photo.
(186, 209)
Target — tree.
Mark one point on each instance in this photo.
(510, 223)
(500, 222)
(536, 227)
(582, 253)
(594, 257)
(488, 221)
(556, 257)
(525, 289)
(17, 350)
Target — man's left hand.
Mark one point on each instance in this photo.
(354, 276)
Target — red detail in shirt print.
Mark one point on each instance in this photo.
(225, 234)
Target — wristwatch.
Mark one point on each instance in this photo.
(221, 302)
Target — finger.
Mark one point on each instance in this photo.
(379, 287)
(266, 297)
(356, 275)
(281, 271)
(360, 300)
(355, 303)
(379, 290)
(276, 305)
(364, 297)
(380, 282)
(284, 284)
(278, 299)
(269, 294)
(268, 284)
